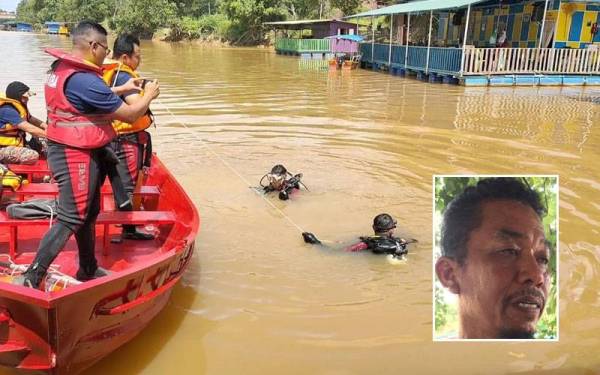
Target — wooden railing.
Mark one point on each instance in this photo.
(303, 45)
(531, 60)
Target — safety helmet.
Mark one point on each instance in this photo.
(383, 222)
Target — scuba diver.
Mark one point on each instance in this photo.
(282, 181)
(382, 242)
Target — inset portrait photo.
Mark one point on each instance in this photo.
(495, 258)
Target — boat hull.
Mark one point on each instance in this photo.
(67, 331)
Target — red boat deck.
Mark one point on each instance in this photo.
(66, 331)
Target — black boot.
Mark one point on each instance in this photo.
(83, 275)
(31, 278)
(130, 232)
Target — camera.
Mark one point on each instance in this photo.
(145, 81)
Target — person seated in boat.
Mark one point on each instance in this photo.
(15, 123)
(132, 144)
(382, 242)
(81, 108)
(282, 181)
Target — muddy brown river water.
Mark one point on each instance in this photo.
(256, 299)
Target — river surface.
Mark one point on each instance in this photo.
(256, 299)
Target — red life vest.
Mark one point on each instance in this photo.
(66, 124)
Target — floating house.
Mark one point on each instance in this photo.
(487, 42)
(22, 26)
(312, 39)
(58, 28)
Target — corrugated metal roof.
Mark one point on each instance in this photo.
(417, 6)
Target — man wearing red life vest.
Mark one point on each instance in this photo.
(81, 108)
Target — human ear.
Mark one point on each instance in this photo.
(446, 269)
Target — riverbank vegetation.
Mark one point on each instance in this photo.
(230, 21)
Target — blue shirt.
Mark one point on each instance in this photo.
(9, 115)
(88, 93)
(122, 79)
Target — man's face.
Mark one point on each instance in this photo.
(135, 59)
(99, 49)
(504, 280)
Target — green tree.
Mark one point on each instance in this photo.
(78, 10)
(348, 7)
(27, 10)
(303, 9)
(144, 17)
(40, 11)
(247, 17)
(196, 8)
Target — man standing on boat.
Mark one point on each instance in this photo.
(132, 144)
(81, 108)
(15, 121)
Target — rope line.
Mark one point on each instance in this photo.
(229, 166)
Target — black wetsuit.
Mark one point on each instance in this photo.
(385, 245)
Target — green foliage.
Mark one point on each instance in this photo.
(144, 17)
(239, 21)
(28, 10)
(196, 8)
(446, 188)
(348, 7)
(247, 17)
(441, 313)
(547, 325)
(77, 10)
(208, 26)
(40, 11)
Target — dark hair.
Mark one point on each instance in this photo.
(279, 170)
(124, 45)
(84, 28)
(463, 214)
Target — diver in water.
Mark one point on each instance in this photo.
(279, 179)
(382, 242)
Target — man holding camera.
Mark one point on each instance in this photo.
(132, 144)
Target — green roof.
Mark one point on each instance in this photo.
(417, 6)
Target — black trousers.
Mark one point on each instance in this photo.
(79, 174)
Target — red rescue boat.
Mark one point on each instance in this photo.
(72, 325)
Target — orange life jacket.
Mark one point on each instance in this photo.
(142, 123)
(10, 134)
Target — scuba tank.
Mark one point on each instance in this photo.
(386, 245)
(289, 185)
